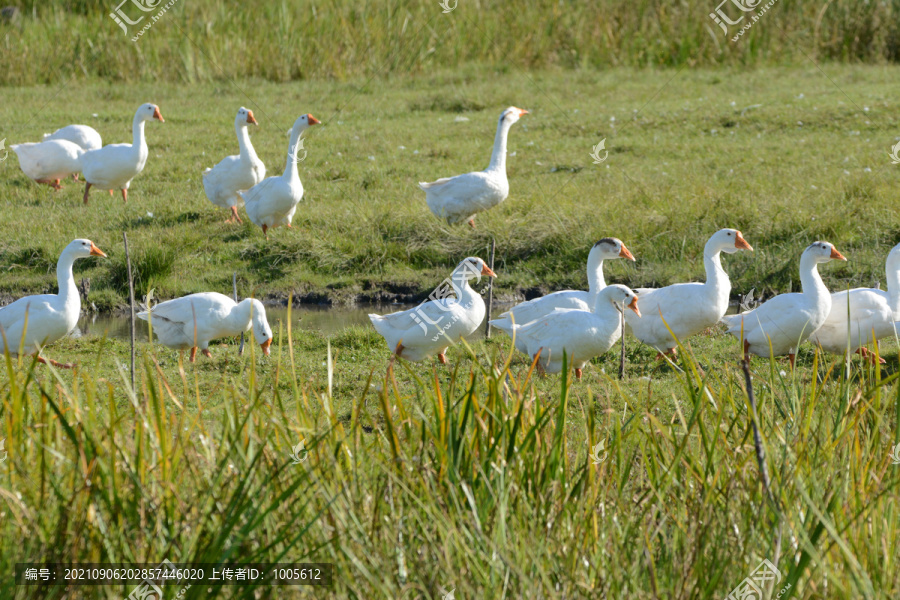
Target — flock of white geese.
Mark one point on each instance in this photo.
(577, 324)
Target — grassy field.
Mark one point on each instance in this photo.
(473, 476)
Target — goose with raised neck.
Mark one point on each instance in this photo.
(687, 308)
(237, 173)
(609, 248)
(855, 314)
(787, 320)
(430, 328)
(48, 317)
(112, 167)
(460, 198)
(273, 201)
(580, 334)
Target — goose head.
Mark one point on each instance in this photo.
(148, 112)
(82, 249)
(622, 295)
(610, 248)
(728, 241)
(262, 333)
(245, 117)
(511, 115)
(471, 268)
(305, 121)
(822, 252)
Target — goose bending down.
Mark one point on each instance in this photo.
(235, 173)
(194, 321)
(83, 136)
(49, 316)
(870, 310)
(273, 201)
(526, 312)
(49, 162)
(581, 334)
(787, 320)
(688, 308)
(431, 327)
(113, 167)
(460, 198)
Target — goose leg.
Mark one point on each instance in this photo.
(124, 194)
(746, 351)
(670, 352)
(399, 349)
(442, 358)
(51, 182)
(578, 374)
(792, 357)
(58, 365)
(234, 214)
(110, 192)
(206, 353)
(265, 228)
(75, 176)
(870, 356)
(472, 222)
(193, 353)
(87, 188)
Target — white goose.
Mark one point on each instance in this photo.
(869, 310)
(526, 312)
(235, 173)
(113, 167)
(460, 198)
(581, 334)
(272, 201)
(83, 136)
(194, 321)
(688, 308)
(787, 320)
(49, 162)
(49, 316)
(431, 327)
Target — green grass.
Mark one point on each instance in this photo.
(441, 477)
(688, 155)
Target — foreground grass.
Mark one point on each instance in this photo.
(786, 155)
(475, 476)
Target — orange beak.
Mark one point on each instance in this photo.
(633, 306)
(522, 112)
(158, 115)
(312, 120)
(836, 255)
(251, 119)
(265, 346)
(626, 253)
(741, 243)
(486, 271)
(95, 251)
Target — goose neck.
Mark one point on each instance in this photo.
(290, 169)
(498, 155)
(892, 272)
(137, 134)
(810, 281)
(243, 136)
(68, 291)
